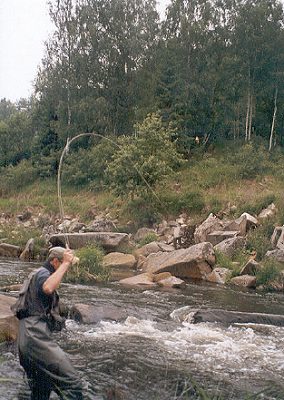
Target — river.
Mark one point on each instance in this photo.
(154, 354)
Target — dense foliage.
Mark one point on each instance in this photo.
(211, 70)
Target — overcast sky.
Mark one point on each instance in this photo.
(24, 26)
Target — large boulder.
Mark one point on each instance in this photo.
(230, 246)
(119, 260)
(8, 322)
(248, 281)
(194, 262)
(211, 224)
(110, 241)
(89, 314)
(9, 250)
(251, 221)
(233, 317)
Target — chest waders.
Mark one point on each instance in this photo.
(47, 366)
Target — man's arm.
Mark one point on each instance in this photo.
(52, 283)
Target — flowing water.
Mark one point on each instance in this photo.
(156, 353)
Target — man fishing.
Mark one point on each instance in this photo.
(47, 366)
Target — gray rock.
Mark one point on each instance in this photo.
(245, 281)
(194, 262)
(218, 236)
(141, 279)
(277, 238)
(268, 212)
(110, 241)
(172, 282)
(9, 250)
(211, 224)
(89, 314)
(142, 233)
(119, 260)
(28, 252)
(251, 268)
(230, 246)
(100, 225)
(219, 275)
(277, 255)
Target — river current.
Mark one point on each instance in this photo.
(156, 353)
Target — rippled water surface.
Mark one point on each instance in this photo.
(153, 354)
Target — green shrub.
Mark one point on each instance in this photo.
(224, 261)
(13, 178)
(150, 237)
(258, 205)
(143, 160)
(258, 239)
(270, 271)
(251, 160)
(175, 203)
(90, 267)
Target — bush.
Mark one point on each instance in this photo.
(258, 239)
(143, 160)
(270, 271)
(13, 178)
(258, 205)
(150, 237)
(189, 202)
(90, 267)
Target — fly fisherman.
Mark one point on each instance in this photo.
(47, 367)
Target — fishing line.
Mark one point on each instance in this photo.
(59, 174)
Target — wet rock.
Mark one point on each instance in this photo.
(11, 288)
(9, 250)
(119, 260)
(211, 224)
(230, 246)
(194, 262)
(233, 317)
(141, 279)
(219, 275)
(28, 252)
(251, 268)
(245, 281)
(89, 314)
(8, 322)
(110, 241)
(172, 282)
(161, 276)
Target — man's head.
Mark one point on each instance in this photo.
(55, 255)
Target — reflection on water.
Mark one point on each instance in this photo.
(152, 356)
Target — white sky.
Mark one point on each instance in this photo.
(24, 27)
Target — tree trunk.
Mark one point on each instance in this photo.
(273, 120)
